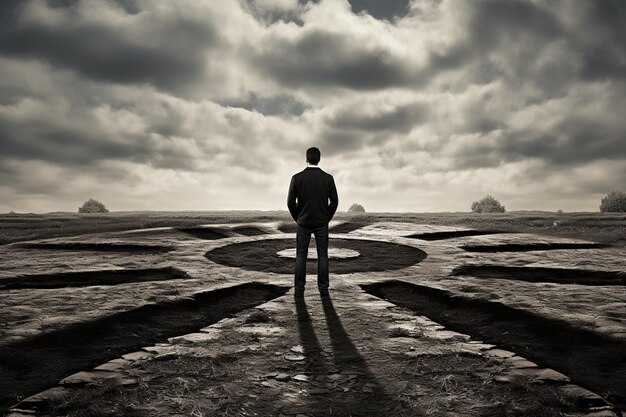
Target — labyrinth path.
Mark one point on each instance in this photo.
(422, 320)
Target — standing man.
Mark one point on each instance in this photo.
(312, 202)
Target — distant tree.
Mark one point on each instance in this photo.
(356, 208)
(93, 206)
(559, 211)
(614, 201)
(488, 205)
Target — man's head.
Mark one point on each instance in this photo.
(313, 156)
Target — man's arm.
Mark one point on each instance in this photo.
(292, 203)
(334, 200)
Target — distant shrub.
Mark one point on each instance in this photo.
(11, 212)
(559, 211)
(614, 201)
(488, 205)
(356, 208)
(93, 206)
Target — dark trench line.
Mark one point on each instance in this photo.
(452, 234)
(346, 227)
(29, 366)
(99, 247)
(542, 274)
(249, 231)
(91, 278)
(590, 359)
(206, 233)
(528, 247)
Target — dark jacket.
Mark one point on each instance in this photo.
(312, 198)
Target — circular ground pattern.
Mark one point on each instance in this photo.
(261, 255)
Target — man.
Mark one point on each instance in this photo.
(312, 202)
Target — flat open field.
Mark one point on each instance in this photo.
(192, 313)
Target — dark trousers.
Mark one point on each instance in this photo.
(303, 237)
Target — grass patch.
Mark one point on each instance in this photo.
(183, 387)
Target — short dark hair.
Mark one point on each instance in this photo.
(313, 155)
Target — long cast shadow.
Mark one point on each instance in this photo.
(308, 339)
(372, 399)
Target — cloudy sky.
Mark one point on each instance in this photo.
(417, 105)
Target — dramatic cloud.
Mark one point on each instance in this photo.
(101, 41)
(416, 105)
(317, 57)
(380, 118)
(390, 9)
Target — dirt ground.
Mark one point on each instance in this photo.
(434, 317)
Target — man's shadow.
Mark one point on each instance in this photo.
(357, 389)
(312, 351)
(344, 351)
